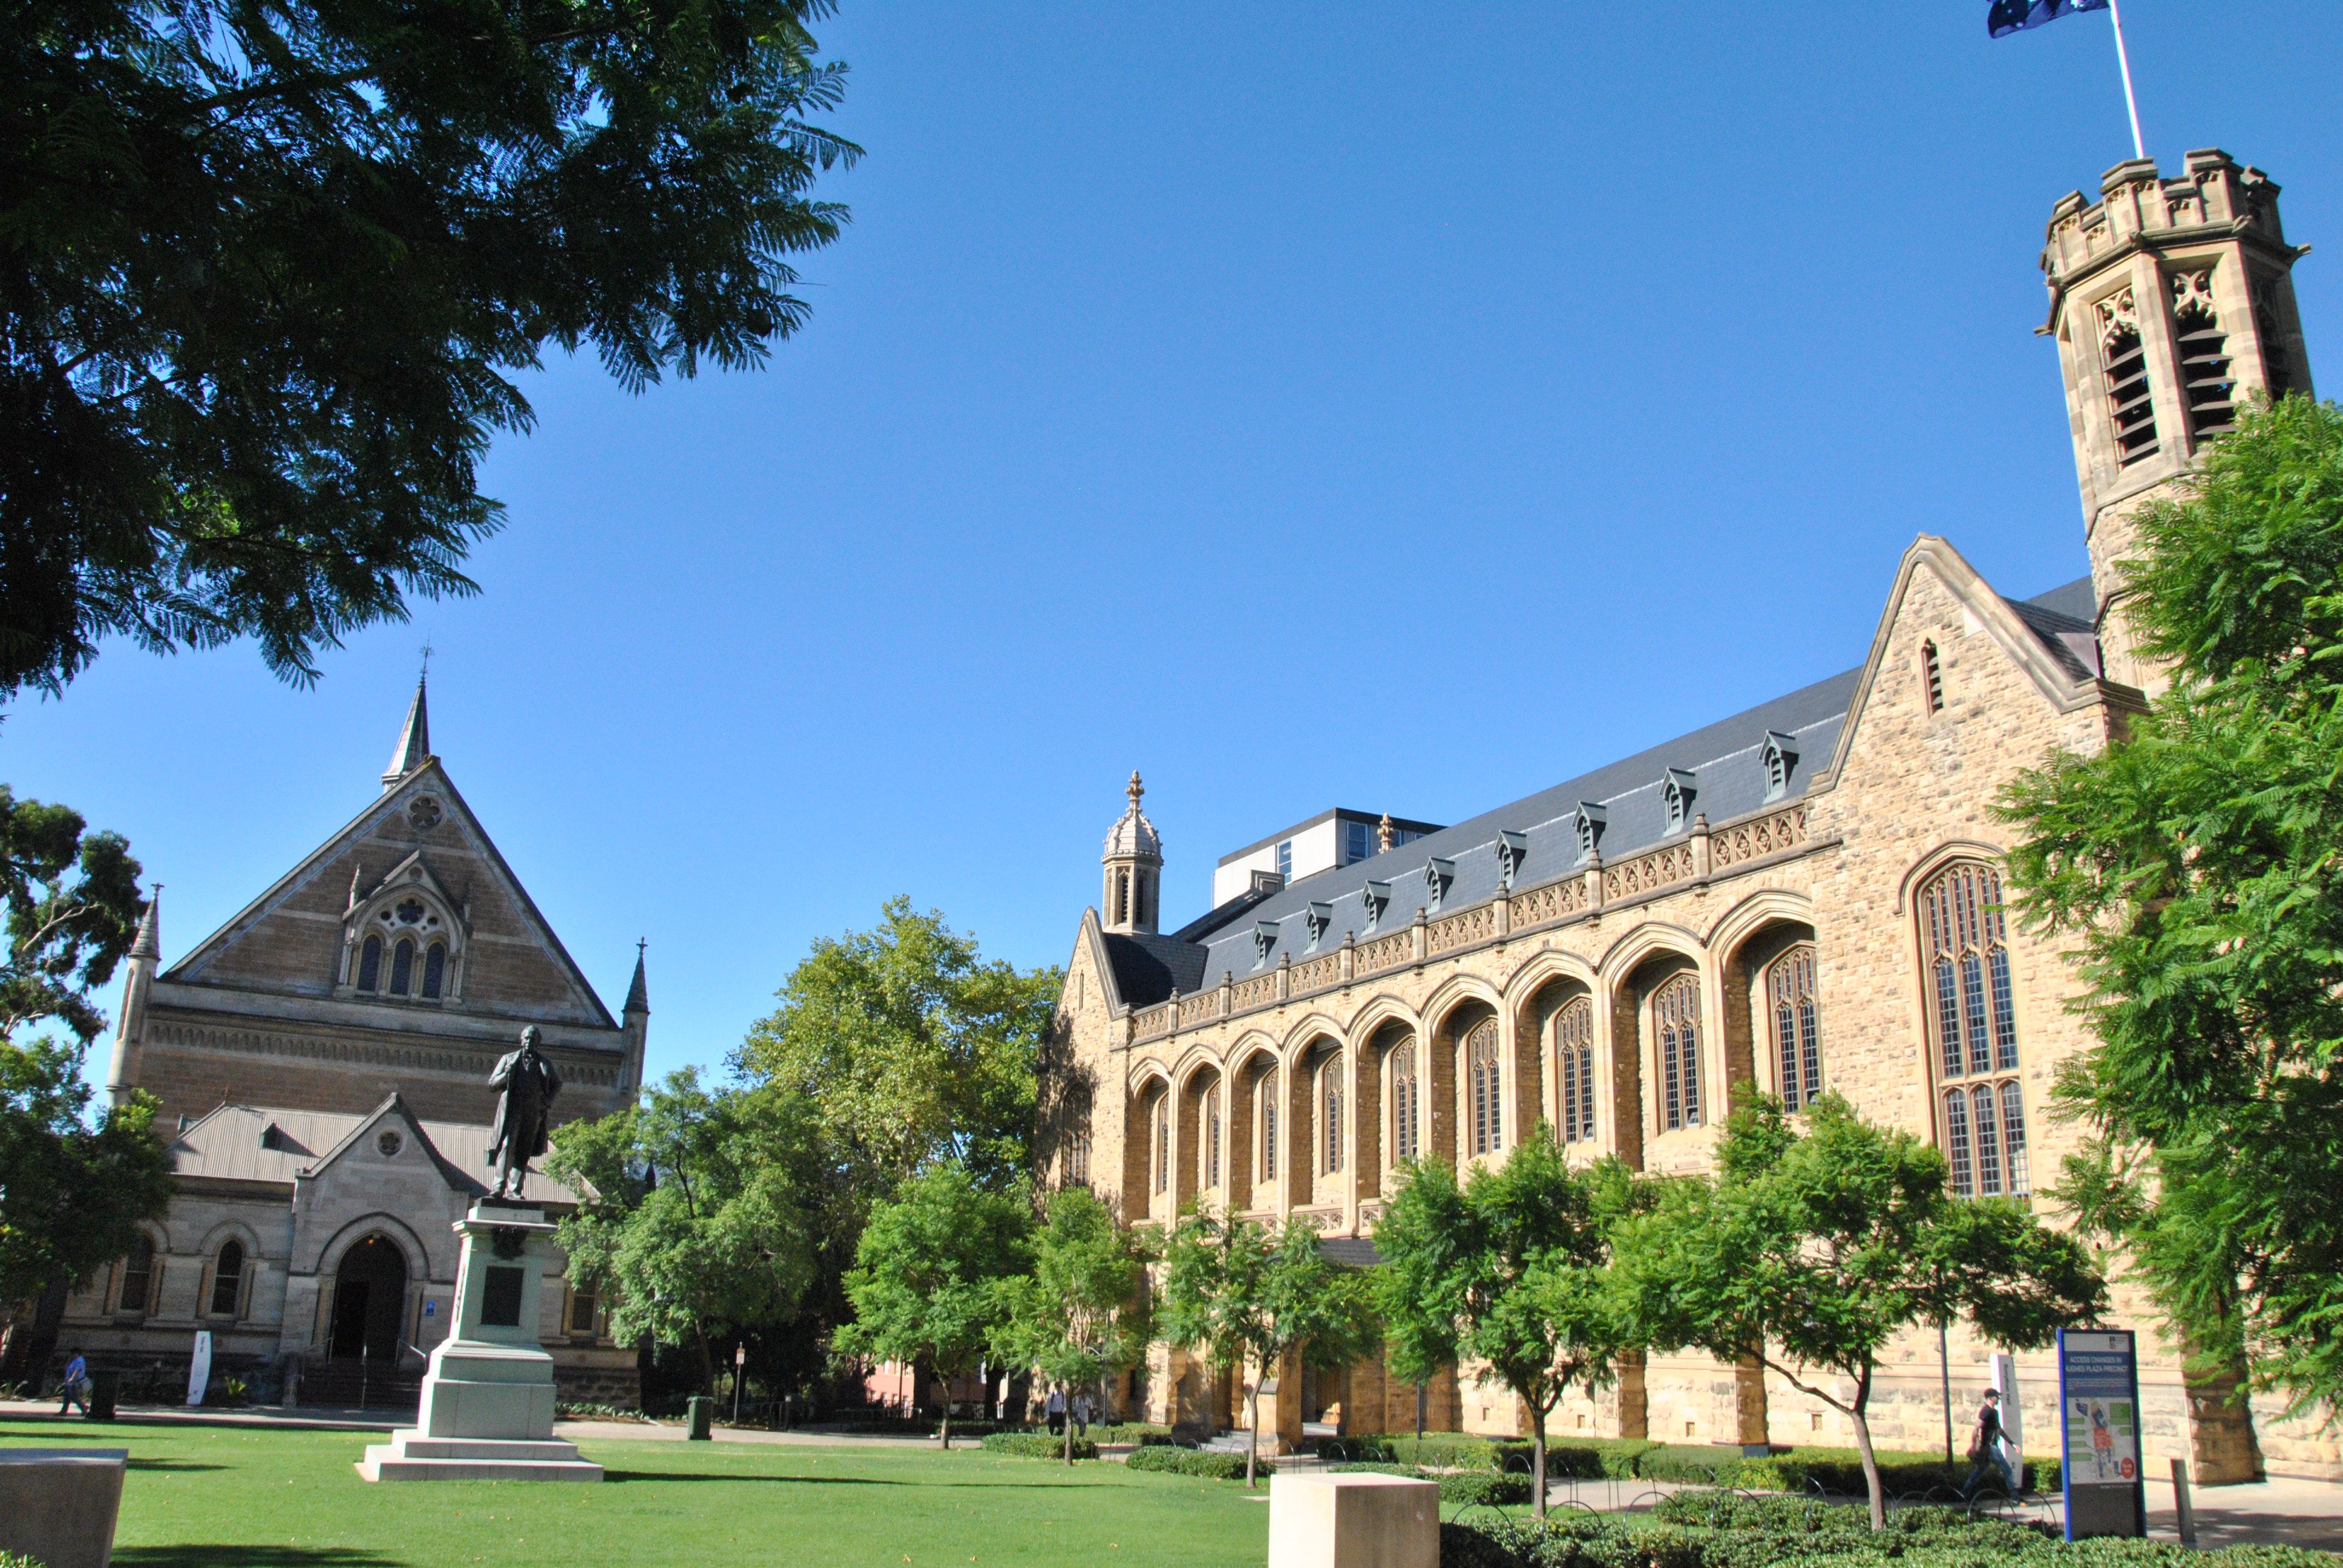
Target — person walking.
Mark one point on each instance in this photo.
(77, 1387)
(1986, 1449)
(1054, 1407)
(1083, 1414)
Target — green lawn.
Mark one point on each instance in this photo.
(230, 1497)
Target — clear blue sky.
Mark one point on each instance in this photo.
(1402, 408)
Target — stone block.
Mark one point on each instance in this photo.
(1358, 1520)
(58, 1506)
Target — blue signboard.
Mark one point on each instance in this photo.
(2099, 1420)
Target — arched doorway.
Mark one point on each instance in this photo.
(369, 1300)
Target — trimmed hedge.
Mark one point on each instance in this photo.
(1211, 1463)
(1144, 1433)
(1036, 1445)
(1837, 1471)
(1466, 1488)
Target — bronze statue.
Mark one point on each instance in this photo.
(525, 1083)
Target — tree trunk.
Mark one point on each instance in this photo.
(1067, 1421)
(706, 1362)
(947, 1410)
(1537, 1463)
(1863, 1446)
(1252, 1449)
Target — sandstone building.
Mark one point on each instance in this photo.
(322, 1062)
(1802, 897)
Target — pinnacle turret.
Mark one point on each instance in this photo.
(414, 748)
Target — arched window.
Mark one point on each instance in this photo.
(1330, 1093)
(1162, 1143)
(1265, 1091)
(1211, 1113)
(1676, 1017)
(228, 1279)
(1932, 676)
(435, 971)
(137, 1276)
(370, 964)
(1484, 1084)
(402, 967)
(1121, 897)
(1797, 1026)
(1574, 1048)
(1973, 1016)
(1406, 1104)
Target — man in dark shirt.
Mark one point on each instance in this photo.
(1986, 1450)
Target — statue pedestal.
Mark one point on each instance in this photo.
(487, 1399)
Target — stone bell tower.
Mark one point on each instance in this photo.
(2172, 301)
(1134, 868)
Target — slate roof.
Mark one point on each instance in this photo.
(1727, 762)
(266, 1143)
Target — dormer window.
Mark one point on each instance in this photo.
(1513, 849)
(1376, 896)
(1590, 821)
(1264, 938)
(1315, 920)
(1677, 792)
(1781, 756)
(1438, 874)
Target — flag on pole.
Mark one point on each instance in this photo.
(2015, 15)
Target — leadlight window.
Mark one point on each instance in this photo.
(1973, 1016)
(2207, 384)
(2131, 405)
(1485, 1087)
(1407, 1103)
(1573, 1040)
(1332, 1094)
(1078, 1157)
(370, 964)
(581, 1312)
(1267, 1093)
(1211, 1109)
(1163, 1143)
(435, 971)
(1797, 1018)
(228, 1279)
(137, 1276)
(1675, 1018)
(402, 968)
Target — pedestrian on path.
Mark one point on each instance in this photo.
(1985, 1448)
(1054, 1407)
(1081, 1415)
(77, 1387)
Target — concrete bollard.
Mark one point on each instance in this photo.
(57, 1505)
(2184, 1507)
(1352, 1520)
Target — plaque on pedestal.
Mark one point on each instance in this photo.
(487, 1412)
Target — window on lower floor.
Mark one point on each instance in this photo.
(137, 1276)
(1675, 1018)
(582, 1306)
(1332, 1095)
(1985, 1139)
(228, 1279)
(1573, 1040)
(1407, 1103)
(1484, 1087)
(1797, 1016)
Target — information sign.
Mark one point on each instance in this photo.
(2098, 1405)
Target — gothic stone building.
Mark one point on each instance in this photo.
(1804, 896)
(322, 1062)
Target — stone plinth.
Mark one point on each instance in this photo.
(487, 1412)
(57, 1505)
(1354, 1521)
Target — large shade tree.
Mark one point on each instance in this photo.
(1508, 1272)
(269, 275)
(1080, 1315)
(2193, 866)
(1814, 1249)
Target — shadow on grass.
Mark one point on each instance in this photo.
(137, 1464)
(610, 1476)
(210, 1555)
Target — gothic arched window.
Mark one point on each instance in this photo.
(1331, 1094)
(1265, 1091)
(1675, 1018)
(1407, 1103)
(227, 1279)
(1162, 1143)
(1211, 1113)
(435, 971)
(1796, 1018)
(370, 964)
(402, 967)
(1973, 1016)
(1484, 1085)
(1574, 1049)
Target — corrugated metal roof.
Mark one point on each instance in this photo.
(267, 1143)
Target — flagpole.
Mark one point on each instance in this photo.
(2123, 58)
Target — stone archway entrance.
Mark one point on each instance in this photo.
(369, 1302)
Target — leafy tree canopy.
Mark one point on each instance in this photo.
(267, 272)
(1814, 1251)
(74, 1189)
(73, 912)
(693, 1211)
(926, 1282)
(1508, 1272)
(1080, 1315)
(2193, 864)
(1248, 1296)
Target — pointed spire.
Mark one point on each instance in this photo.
(147, 943)
(414, 748)
(638, 997)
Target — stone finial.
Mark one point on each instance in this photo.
(1385, 835)
(414, 748)
(147, 943)
(1134, 789)
(639, 993)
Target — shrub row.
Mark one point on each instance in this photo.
(1037, 1445)
(1800, 1470)
(1144, 1433)
(1719, 1531)
(1460, 1486)
(1211, 1463)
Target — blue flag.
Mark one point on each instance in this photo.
(2015, 15)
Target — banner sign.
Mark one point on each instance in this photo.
(2099, 1404)
(199, 1367)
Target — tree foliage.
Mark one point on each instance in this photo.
(692, 1212)
(74, 1189)
(1509, 1272)
(1814, 1251)
(267, 272)
(73, 912)
(926, 1282)
(1248, 1296)
(1080, 1315)
(2197, 865)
